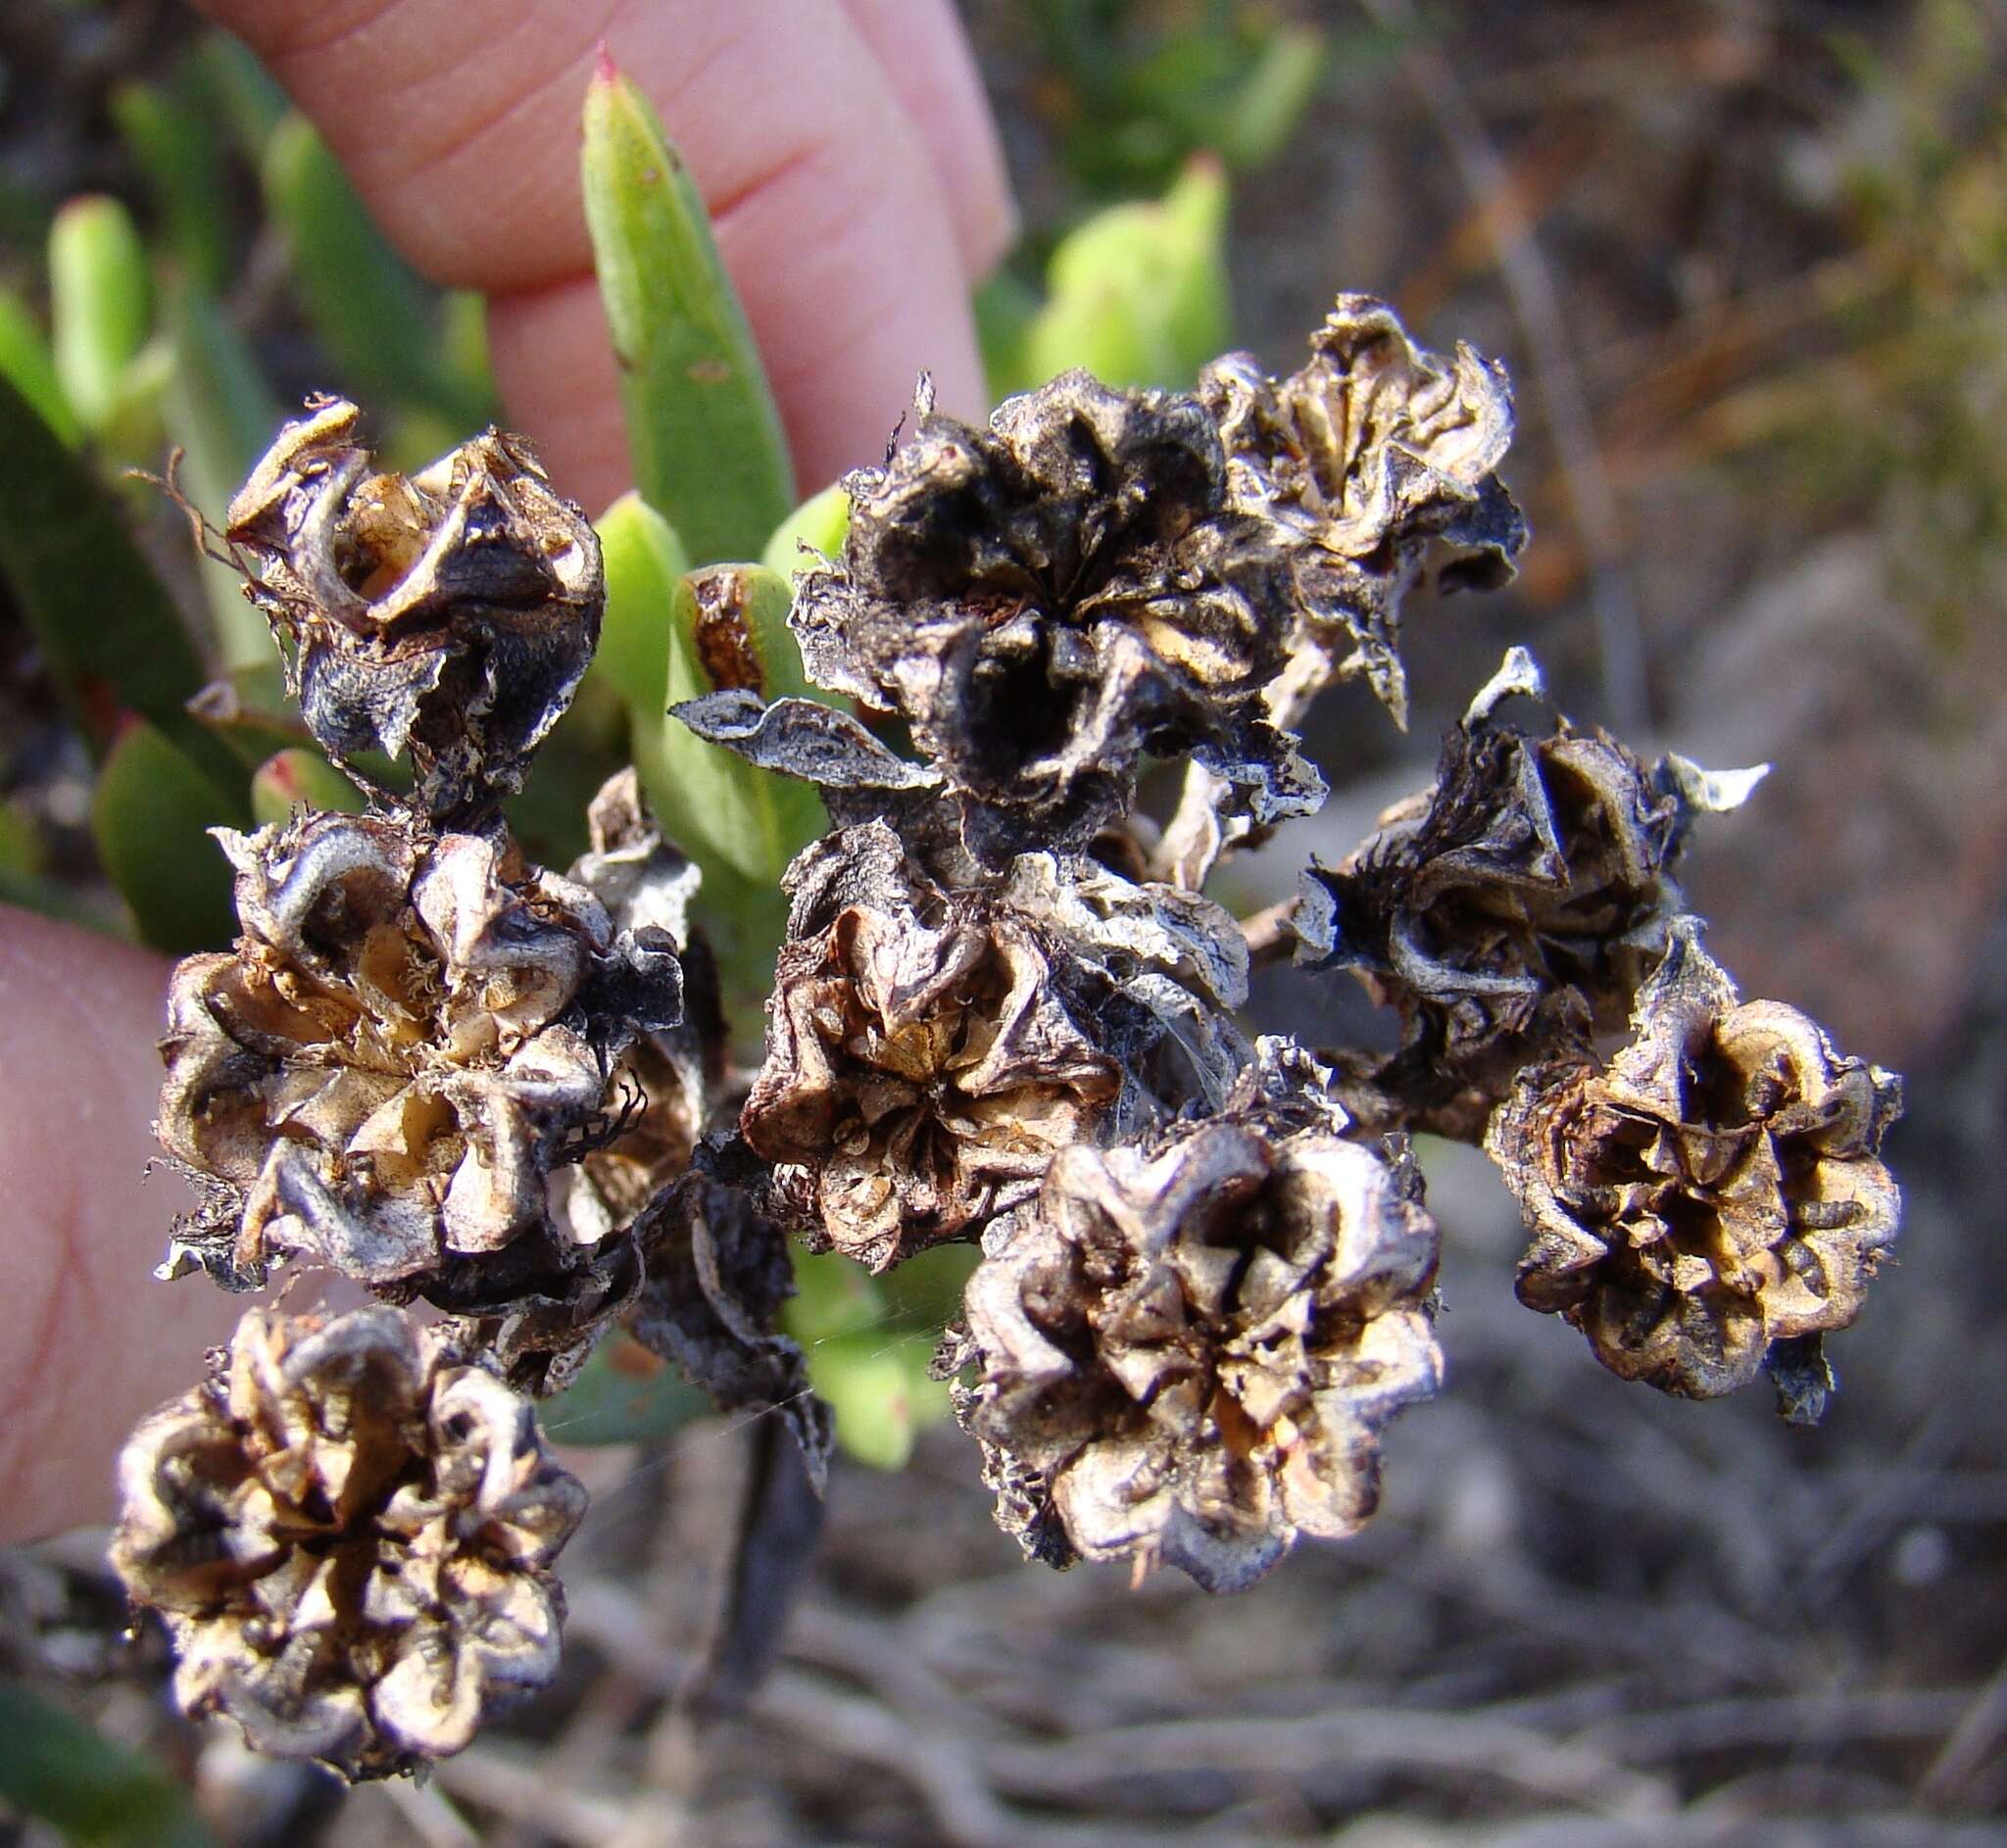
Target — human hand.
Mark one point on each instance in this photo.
(850, 165)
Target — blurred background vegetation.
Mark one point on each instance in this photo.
(1747, 262)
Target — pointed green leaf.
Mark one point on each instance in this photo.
(25, 358)
(703, 428)
(107, 625)
(820, 523)
(228, 83)
(150, 815)
(94, 1793)
(220, 412)
(381, 323)
(1263, 110)
(174, 146)
(644, 558)
(100, 304)
(669, 636)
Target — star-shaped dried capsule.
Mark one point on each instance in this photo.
(922, 1067)
(1370, 455)
(348, 1529)
(448, 615)
(1512, 909)
(412, 1032)
(1047, 598)
(1185, 1352)
(1713, 1193)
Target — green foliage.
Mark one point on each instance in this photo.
(1137, 295)
(151, 813)
(819, 523)
(174, 143)
(384, 328)
(106, 624)
(1142, 89)
(27, 362)
(870, 1340)
(97, 1794)
(703, 428)
(222, 414)
(100, 307)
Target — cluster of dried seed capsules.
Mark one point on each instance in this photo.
(1003, 1013)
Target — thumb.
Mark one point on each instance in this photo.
(459, 124)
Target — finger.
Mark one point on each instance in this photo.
(460, 125)
(89, 1339)
(925, 55)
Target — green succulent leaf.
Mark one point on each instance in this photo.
(381, 323)
(150, 815)
(671, 635)
(1137, 294)
(100, 305)
(235, 91)
(96, 1795)
(820, 523)
(27, 360)
(703, 428)
(174, 144)
(1254, 124)
(220, 413)
(107, 625)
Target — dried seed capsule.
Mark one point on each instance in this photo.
(349, 1532)
(922, 1067)
(717, 1276)
(1048, 598)
(661, 1086)
(1715, 1189)
(411, 1032)
(1373, 452)
(1186, 1352)
(450, 615)
(1514, 907)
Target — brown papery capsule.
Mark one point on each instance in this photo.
(1363, 460)
(1186, 1353)
(1514, 909)
(1713, 1194)
(1047, 598)
(348, 1531)
(448, 615)
(410, 1033)
(921, 1068)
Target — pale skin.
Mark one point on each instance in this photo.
(848, 156)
